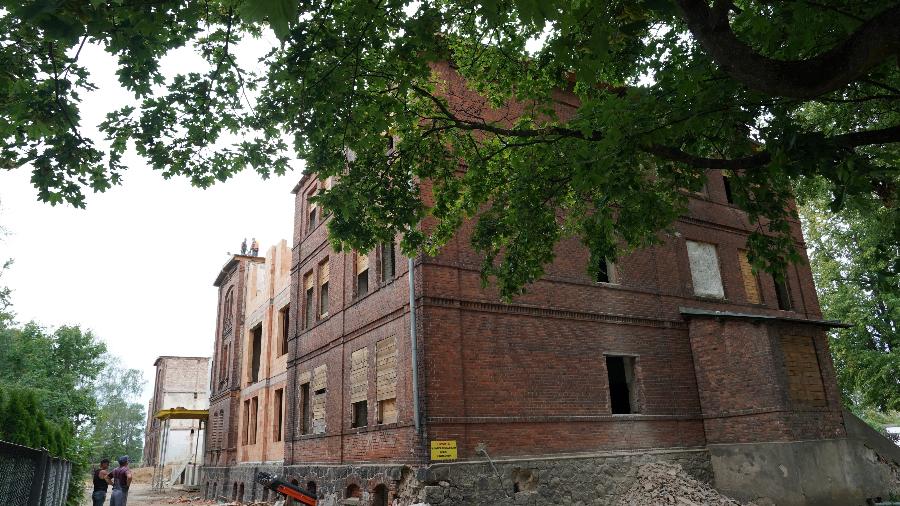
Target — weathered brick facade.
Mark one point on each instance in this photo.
(545, 374)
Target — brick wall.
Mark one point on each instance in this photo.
(530, 377)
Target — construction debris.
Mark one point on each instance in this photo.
(662, 483)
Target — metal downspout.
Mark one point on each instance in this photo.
(413, 345)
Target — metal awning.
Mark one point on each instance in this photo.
(182, 414)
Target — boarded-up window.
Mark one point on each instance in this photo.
(705, 273)
(309, 293)
(386, 379)
(362, 274)
(804, 376)
(388, 261)
(278, 414)
(319, 381)
(246, 432)
(751, 285)
(359, 375)
(254, 419)
(324, 275)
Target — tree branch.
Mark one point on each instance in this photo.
(873, 42)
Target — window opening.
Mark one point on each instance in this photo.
(620, 371)
(360, 414)
(279, 416)
(729, 197)
(324, 276)
(310, 299)
(783, 295)
(606, 272)
(305, 412)
(285, 319)
(256, 353)
(362, 274)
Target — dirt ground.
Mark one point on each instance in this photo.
(141, 494)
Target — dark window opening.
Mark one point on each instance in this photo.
(360, 414)
(620, 371)
(729, 197)
(256, 351)
(312, 219)
(353, 491)
(783, 295)
(380, 496)
(285, 314)
(388, 261)
(602, 271)
(305, 416)
(310, 313)
(323, 302)
(362, 283)
(311, 488)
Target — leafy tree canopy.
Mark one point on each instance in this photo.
(855, 258)
(118, 428)
(666, 90)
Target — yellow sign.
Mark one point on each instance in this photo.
(443, 450)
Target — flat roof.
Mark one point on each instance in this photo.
(156, 362)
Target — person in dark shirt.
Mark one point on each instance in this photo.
(120, 479)
(100, 483)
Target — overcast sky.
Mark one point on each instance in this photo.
(137, 266)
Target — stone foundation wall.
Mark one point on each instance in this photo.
(596, 479)
(237, 482)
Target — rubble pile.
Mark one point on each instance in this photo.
(664, 483)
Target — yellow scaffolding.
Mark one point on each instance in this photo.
(165, 416)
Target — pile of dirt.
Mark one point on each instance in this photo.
(665, 483)
(141, 474)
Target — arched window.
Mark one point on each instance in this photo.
(380, 496)
(353, 490)
(228, 311)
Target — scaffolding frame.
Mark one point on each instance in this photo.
(158, 482)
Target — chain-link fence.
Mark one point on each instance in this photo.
(30, 477)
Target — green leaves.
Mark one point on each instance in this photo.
(535, 121)
(280, 14)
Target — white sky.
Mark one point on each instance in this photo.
(137, 265)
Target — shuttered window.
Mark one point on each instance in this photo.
(707, 279)
(751, 285)
(319, 381)
(386, 379)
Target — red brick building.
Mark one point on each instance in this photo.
(677, 352)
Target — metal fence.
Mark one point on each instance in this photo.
(30, 477)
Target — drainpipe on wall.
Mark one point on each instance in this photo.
(413, 347)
